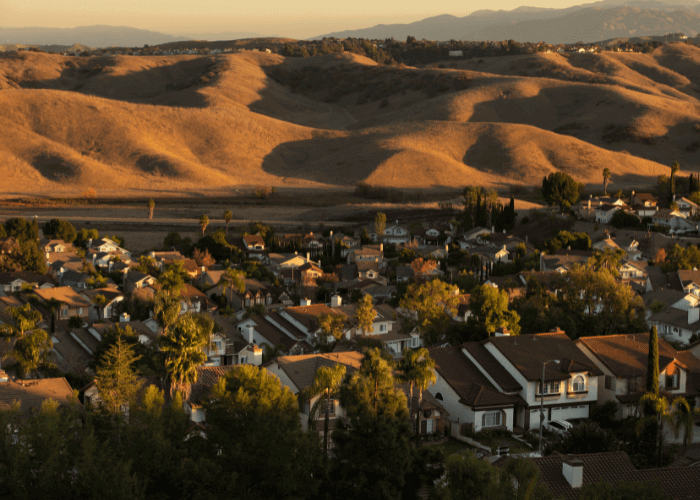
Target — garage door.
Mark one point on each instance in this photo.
(569, 412)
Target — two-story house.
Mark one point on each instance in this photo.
(15, 281)
(107, 308)
(623, 361)
(108, 245)
(563, 260)
(368, 253)
(254, 246)
(686, 207)
(645, 204)
(70, 302)
(396, 234)
(674, 220)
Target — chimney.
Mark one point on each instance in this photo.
(381, 247)
(124, 318)
(308, 256)
(47, 255)
(89, 243)
(3, 376)
(257, 356)
(249, 333)
(337, 301)
(590, 197)
(501, 331)
(305, 302)
(204, 269)
(493, 229)
(319, 263)
(572, 468)
(693, 315)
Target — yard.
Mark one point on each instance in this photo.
(452, 446)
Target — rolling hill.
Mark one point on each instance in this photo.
(164, 126)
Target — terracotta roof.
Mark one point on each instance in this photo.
(302, 369)
(626, 355)
(497, 372)
(32, 393)
(615, 467)
(64, 294)
(527, 353)
(207, 376)
(472, 387)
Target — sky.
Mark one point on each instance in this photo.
(294, 19)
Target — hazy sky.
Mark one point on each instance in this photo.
(296, 19)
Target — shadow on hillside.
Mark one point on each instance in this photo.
(171, 85)
(55, 168)
(342, 161)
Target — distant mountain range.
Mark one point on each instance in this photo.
(105, 36)
(587, 23)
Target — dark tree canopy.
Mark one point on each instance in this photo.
(560, 189)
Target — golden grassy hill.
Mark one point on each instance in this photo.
(164, 125)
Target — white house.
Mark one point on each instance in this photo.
(674, 220)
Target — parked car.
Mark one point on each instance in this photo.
(558, 426)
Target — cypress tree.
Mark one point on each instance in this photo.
(511, 212)
(653, 362)
(477, 213)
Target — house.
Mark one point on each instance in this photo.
(74, 279)
(470, 397)
(494, 254)
(646, 204)
(622, 359)
(70, 302)
(674, 220)
(58, 245)
(685, 280)
(108, 245)
(59, 263)
(32, 393)
(15, 281)
(434, 252)
(275, 332)
(161, 258)
(474, 237)
(110, 309)
(563, 260)
(254, 246)
(368, 253)
(631, 269)
(685, 206)
(396, 234)
(570, 387)
(68, 354)
(565, 475)
(134, 280)
(254, 293)
(606, 244)
(629, 245)
(677, 324)
(604, 213)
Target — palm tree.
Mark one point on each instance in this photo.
(166, 309)
(232, 278)
(25, 319)
(32, 351)
(417, 368)
(204, 222)
(99, 300)
(606, 179)
(151, 206)
(228, 217)
(183, 348)
(327, 382)
(684, 416)
(657, 411)
(173, 280)
(675, 167)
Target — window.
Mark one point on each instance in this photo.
(382, 328)
(64, 312)
(610, 382)
(579, 384)
(672, 381)
(247, 302)
(80, 311)
(217, 345)
(269, 300)
(306, 409)
(554, 387)
(491, 419)
(438, 396)
(331, 407)
(544, 389)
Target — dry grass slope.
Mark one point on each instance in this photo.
(186, 125)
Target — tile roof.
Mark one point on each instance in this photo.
(674, 317)
(73, 357)
(207, 376)
(687, 277)
(527, 353)
(63, 294)
(32, 393)
(615, 467)
(26, 276)
(276, 336)
(626, 355)
(286, 325)
(302, 369)
(87, 338)
(472, 387)
(497, 372)
(254, 239)
(308, 315)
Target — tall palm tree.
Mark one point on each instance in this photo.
(684, 417)
(657, 411)
(417, 369)
(32, 351)
(183, 348)
(25, 319)
(204, 222)
(228, 217)
(151, 206)
(99, 301)
(606, 179)
(675, 167)
(327, 382)
(166, 309)
(232, 278)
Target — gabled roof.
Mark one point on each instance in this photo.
(497, 372)
(276, 336)
(472, 387)
(527, 353)
(308, 315)
(32, 393)
(26, 276)
(207, 376)
(665, 295)
(64, 294)
(302, 369)
(674, 317)
(254, 239)
(626, 355)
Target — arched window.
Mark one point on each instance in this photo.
(579, 384)
(438, 396)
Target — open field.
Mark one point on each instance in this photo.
(212, 126)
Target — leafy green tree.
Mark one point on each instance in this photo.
(22, 229)
(173, 279)
(332, 327)
(182, 346)
(380, 225)
(60, 229)
(327, 381)
(430, 307)
(365, 314)
(560, 187)
(489, 307)
(166, 309)
(24, 318)
(84, 235)
(255, 431)
(75, 322)
(116, 378)
(32, 351)
(417, 369)
(652, 384)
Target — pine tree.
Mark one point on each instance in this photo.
(653, 363)
(116, 378)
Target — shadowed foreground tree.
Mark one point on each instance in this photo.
(416, 369)
(326, 384)
(182, 346)
(116, 378)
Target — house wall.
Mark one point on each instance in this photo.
(450, 401)
(507, 418)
